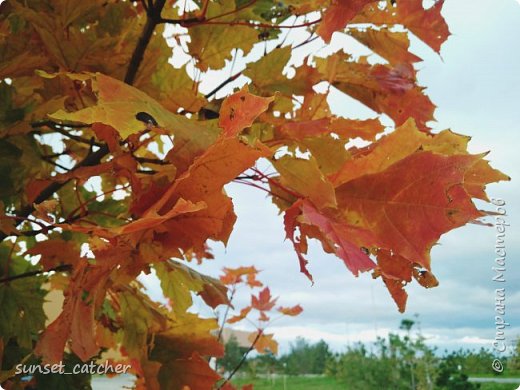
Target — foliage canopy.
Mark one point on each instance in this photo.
(113, 163)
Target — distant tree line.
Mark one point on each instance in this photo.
(399, 361)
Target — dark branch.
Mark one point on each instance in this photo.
(59, 268)
(153, 17)
(223, 84)
(145, 160)
(202, 18)
(308, 40)
(144, 172)
(237, 23)
(221, 329)
(53, 124)
(54, 155)
(188, 22)
(244, 357)
(56, 164)
(61, 128)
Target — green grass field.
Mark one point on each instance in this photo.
(292, 383)
(326, 383)
(498, 386)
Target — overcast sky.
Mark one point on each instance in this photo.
(476, 87)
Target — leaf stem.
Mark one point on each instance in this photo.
(275, 183)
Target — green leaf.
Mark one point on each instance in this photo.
(58, 381)
(305, 177)
(179, 280)
(21, 302)
(140, 317)
(212, 45)
(9, 114)
(20, 161)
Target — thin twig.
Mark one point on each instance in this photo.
(244, 357)
(83, 204)
(59, 268)
(236, 10)
(286, 35)
(188, 22)
(56, 164)
(196, 21)
(60, 128)
(146, 172)
(95, 158)
(25, 219)
(146, 160)
(223, 84)
(308, 40)
(90, 160)
(50, 123)
(54, 155)
(274, 182)
(221, 329)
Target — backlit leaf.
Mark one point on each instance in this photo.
(240, 110)
(338, 15)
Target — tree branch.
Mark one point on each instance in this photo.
(202, 18)
(56, 164)
(244, 357)
(308, 40)
(223, 84)
(59, 128)
(146, 160)
(188, 22)
(59, 268)
(144, 172)
(91, 160)
(195, 21)
(153, 18)
(221, 329)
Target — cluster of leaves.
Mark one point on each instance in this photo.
(263, 304)
(303, 358)
(114, 164)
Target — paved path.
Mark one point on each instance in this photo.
(116, 383)
(494, 379)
